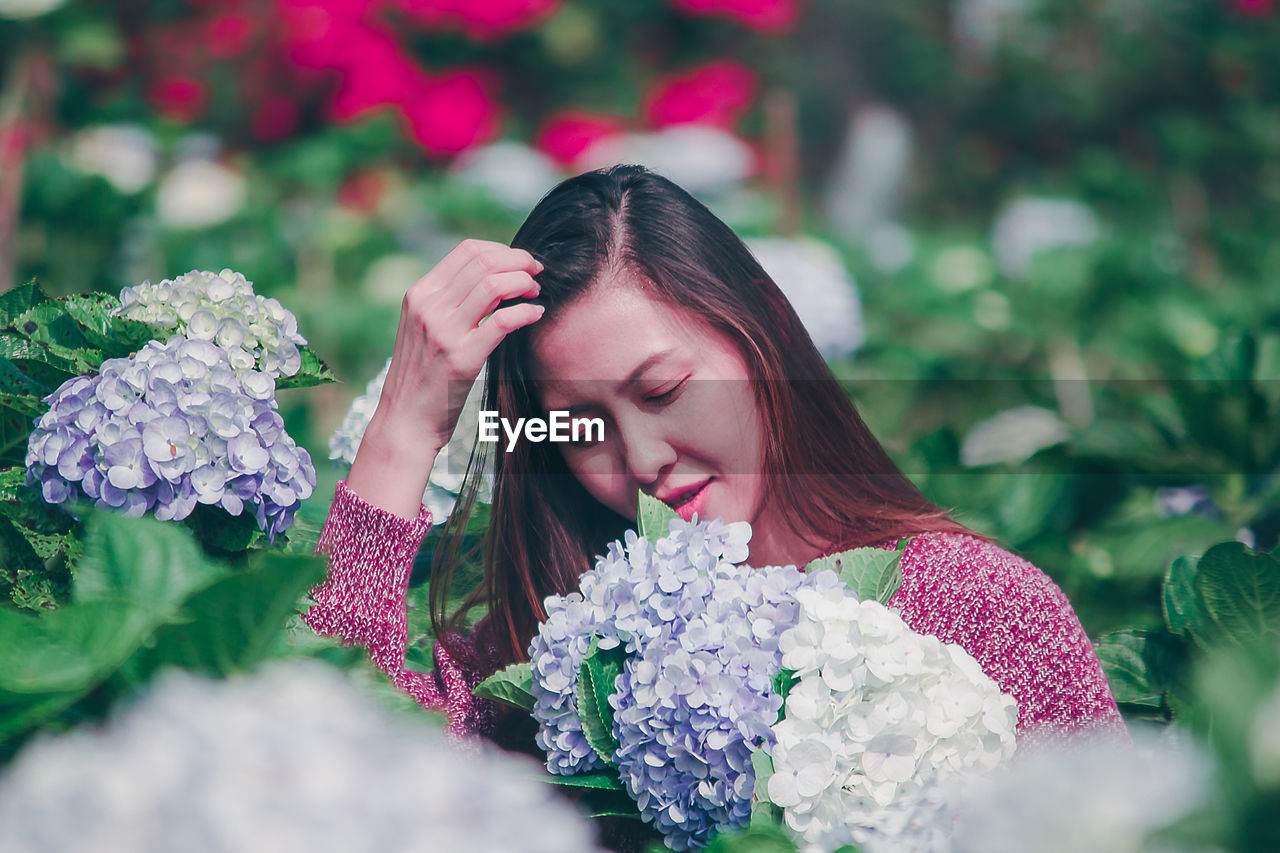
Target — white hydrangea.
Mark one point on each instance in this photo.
(124, 154)
(27, 8)
(1028, 226)
(1012, 436)
(818, 285)
(258, 332)
(199, 193)
(877, 712)
(292, 758)
(449, 470)
(700, 158)
(512, 172)
(1085, 795)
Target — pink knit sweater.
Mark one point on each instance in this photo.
(1001, 609)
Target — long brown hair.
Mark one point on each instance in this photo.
(823, 468)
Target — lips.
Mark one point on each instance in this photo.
(688, 501)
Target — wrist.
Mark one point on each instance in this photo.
(392, 467)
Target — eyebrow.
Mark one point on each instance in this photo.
(640, 368)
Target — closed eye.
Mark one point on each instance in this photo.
(669, 395)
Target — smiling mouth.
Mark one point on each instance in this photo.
(688, 497)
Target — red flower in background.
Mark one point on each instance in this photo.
(716, 93)
(565, 135)
(275, 118)
(451, 113)
(765, 15)
(1254, 8)
(374, 73)
(484, 19)
(181, 98)
(316, 31)
(228, 35)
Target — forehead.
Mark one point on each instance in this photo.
(608, 331)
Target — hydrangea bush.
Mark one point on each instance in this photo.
(711, 692)
(168, 415)
(173, 426)
(258, 333)
(294, 757)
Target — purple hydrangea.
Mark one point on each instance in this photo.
(696, 698)
(169, 428)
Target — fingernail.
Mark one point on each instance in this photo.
(540, 265)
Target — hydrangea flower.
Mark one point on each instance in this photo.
(693, 706)
(1087, 794)
(697, 697)
(294, 757)
(447, 474)
(875, 712)
(258, 333)
(174, 426)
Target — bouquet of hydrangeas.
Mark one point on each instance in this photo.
(190, 417)
(714, 694)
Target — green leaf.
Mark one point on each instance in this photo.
(653, 517)
(604, 780)
(872, 574)
(16, 553)
(25, 505)
(117, 337)
(68, 649)
(222, 534)
(231, 625)
(49, 323)
(1141, 666)
(510, 686)
(763, 811)
(1239, 591)
(1179, 602)
(596, 677)
(313, 372)
(754, 839)
(19, 300)
(782, 684)
(153, 563)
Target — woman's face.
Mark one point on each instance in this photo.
(680, 417)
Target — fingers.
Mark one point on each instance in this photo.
(482, 341)
(490, 291)
(459, 256)
(488, 263)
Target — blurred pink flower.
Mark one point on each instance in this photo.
(565, 135)
(764, 15)
(451, 113)
(228, 35)
(716, 93)
(375, 73)
(275, 118)
(1254, 8)
(317, 30)
(181, 98)
(484, 19)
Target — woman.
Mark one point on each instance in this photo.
(623, 298)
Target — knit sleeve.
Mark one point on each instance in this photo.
(1016, 623)
(370, 554)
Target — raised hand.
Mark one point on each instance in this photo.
(440, 348)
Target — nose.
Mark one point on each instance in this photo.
(646, 452)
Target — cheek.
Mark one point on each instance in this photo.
(594, 468)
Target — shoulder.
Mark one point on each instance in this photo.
(955, 583)
(1014, 620)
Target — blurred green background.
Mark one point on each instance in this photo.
(1036, 239)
